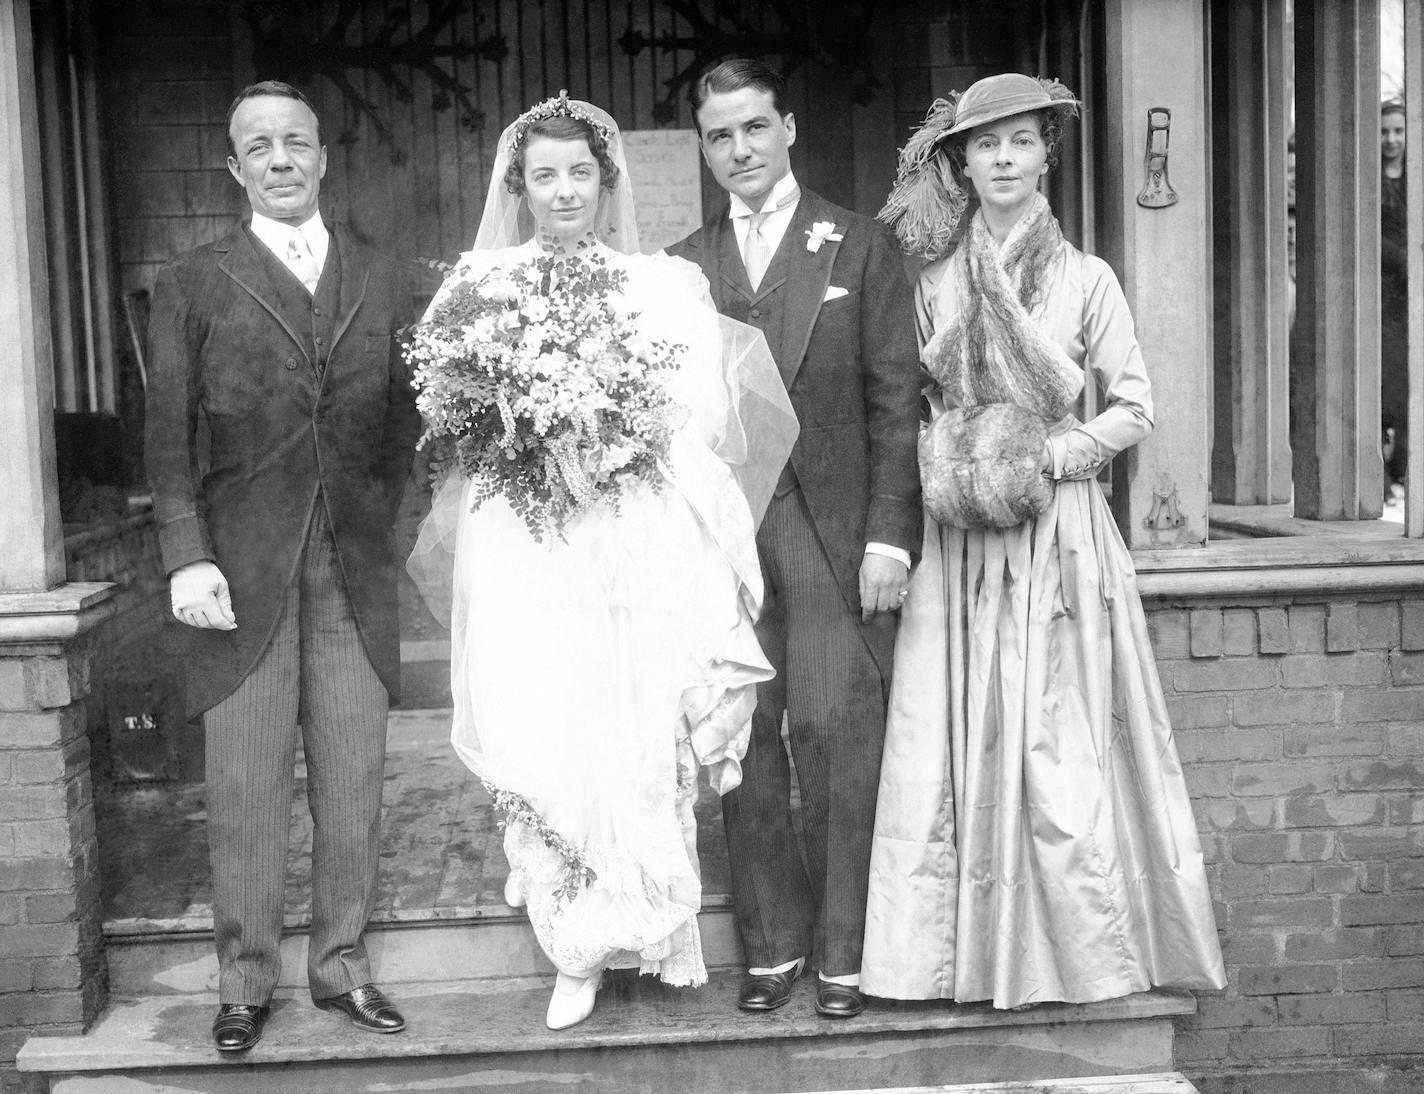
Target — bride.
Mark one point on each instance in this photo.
(594, 673)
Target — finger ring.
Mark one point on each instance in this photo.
(904, 592)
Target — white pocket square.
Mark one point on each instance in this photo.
(834, 292)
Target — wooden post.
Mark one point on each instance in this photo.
(1414, 195)
(90, 178)
(1155, 57)
(1251, 442)
(59, 242)
(50, 857)
(31, 535)
(1335, 350)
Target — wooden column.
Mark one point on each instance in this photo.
(31, 535)
(49, 858)
(1155, 57)
(1414, 195)
(1335, 350)
(51, 88)
(89, 155)
(1251, 442)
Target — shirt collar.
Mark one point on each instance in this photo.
(275, 233)
(784, 185)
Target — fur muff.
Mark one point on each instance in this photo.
(979, 466)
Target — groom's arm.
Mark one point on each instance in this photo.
(891, 376)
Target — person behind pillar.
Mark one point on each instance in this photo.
(1394, 291)
(278, 341)
(828, 288)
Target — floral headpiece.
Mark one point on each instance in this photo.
(561, 106)
(927, 201)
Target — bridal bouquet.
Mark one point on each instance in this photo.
(535, 382)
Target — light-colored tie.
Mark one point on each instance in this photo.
(756, 252)
(757, 255)
(301, 261)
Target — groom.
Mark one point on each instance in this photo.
(828, 289)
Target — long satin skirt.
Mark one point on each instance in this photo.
(1034, 838)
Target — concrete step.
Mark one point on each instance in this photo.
(1167, 1082)
(495, 944)
(425, 673)
(643, 1038)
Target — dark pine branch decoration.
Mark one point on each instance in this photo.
(835, 35)
(282, 50)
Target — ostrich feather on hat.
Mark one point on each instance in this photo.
(927, 202)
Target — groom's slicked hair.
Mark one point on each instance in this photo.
(733, 74)
(267, 87)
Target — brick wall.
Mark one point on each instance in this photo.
(52, 976)
(57, 719)
(1301, 726)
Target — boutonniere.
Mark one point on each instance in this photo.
(819, 232)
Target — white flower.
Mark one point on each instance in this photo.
(535, 309)
(621, 306)
(502, 290)
(639, 347)
(821, 231)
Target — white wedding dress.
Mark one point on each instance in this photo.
(593, 677)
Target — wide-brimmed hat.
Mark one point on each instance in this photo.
(927, 201)
(1003, 96)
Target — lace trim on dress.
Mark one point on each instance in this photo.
(513, 809)
(617, 915)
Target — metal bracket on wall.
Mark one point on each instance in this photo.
(1157, 192)
(1164, 514)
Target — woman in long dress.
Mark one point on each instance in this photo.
(1034, 837)
(593, 674)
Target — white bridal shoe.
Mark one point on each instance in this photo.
(572, 1000)
(513, 894)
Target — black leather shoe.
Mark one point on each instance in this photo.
(238, 1026)
(838, 1000)
(367, 1008)
(768, 990)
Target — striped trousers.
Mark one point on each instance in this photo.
(313, 675)
(793, 897)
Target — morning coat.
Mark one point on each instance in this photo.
(851, 367)
(246, 435)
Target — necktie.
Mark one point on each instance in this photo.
(757, 256)
(756, 251)
(301, 261)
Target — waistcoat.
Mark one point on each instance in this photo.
(312, 318)
(763, 308)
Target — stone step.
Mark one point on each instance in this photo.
(425, 673)
(643, 1038)
(1167, 1082)
(495, 945)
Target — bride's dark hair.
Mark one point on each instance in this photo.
(562, 128)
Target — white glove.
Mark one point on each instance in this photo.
(201, 597)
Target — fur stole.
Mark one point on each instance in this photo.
(1005, 381)
(993, 351)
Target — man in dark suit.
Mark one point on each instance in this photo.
(828, 289)
(278, 343)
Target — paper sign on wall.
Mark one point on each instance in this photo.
(666, 170)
